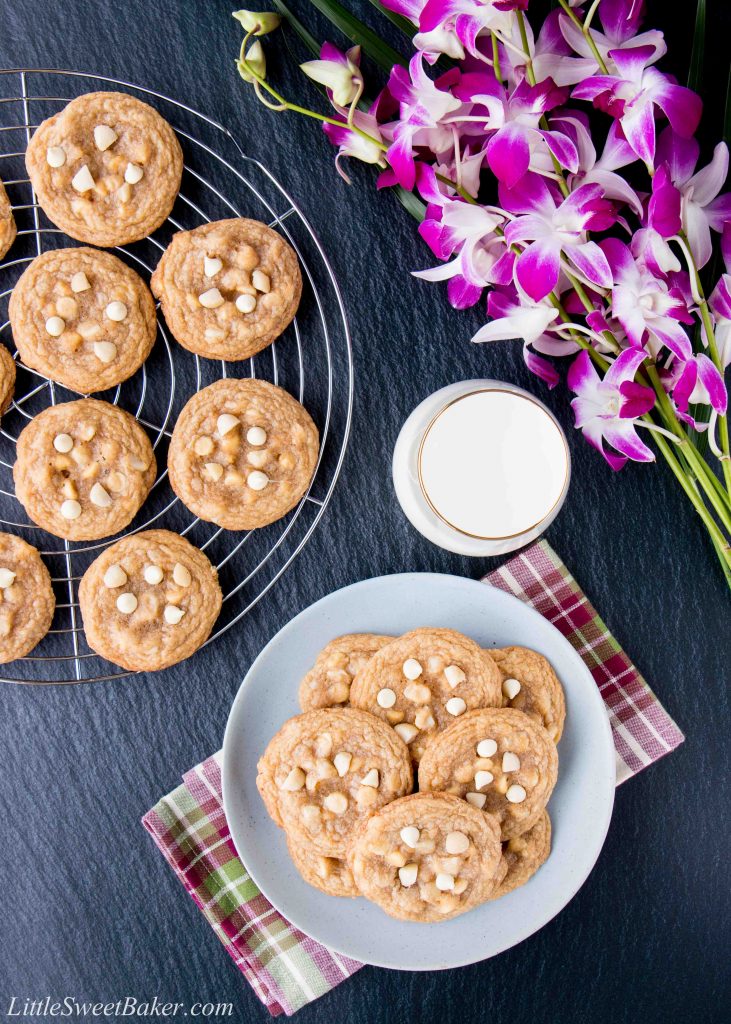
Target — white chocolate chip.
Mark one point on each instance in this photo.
(211, 265)
(294, 781)
(457, 842)
(246, 303)
(411, 668)
(257, 480)
(70, 509)
(126, 603)
(181, 575)
(67, 308)
(82, 181)
(116, 311)
(342, 762)
(455, 706)
(261, 281)
(336, 802)
(125, 192)
(477, 800)
(7, 577)
(55, 156)
(203, 446)
(116, 481)
(444, 882)
(256, 436)
(486, 748)
(104, 137)
(99, 496)
(482, 779)
(511, 688)
(87, 431)
(89, 330)
(386, 698)
(133, 173)
(214, 470)
(410, 835)
(407, 732)
(371, 778)
(173, 614)
(114, 577)
(454, 675)
(515, 794)
(153, 574)
(511, 762)
(105, 351)
(226, 423)
(211, 299)
(407, 874)
(63, 443)
(55, 326)
(80, 282)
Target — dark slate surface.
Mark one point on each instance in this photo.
(88, 907)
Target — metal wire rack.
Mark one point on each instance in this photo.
(312, 360)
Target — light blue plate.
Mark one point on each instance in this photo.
(580, 807)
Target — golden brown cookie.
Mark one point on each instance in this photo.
(83, 469)
(242, 453)
(330, 875)
(228, 289)
(106, 169)
(27, 602)
(524, 854)
(531, 686)
(82, 318)
(428, 857)
(326, 770)
(424, 681)
(149, 601)
(328, 681)
(497, 759)
(7, 222)
(7, 379)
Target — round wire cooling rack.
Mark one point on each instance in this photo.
(312, 360)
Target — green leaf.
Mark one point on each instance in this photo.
(411, 203)
(307, 38)
(379, 51)
(695, 73)
(401, 23)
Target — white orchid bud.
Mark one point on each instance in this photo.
(253, 61)
(259, 23)
(344, 80)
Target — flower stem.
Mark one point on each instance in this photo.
(496, 59)
(585, 31)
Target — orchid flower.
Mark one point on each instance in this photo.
(512, 317)
(339, 72)
(258, 23)
(606, 409)
(470, 18)
(720, 303)
(592, 171)
(555, 229)
(632, 94)
(352, 143)
(549, 54)
(441, 40)
(695, 381)
(620, 20)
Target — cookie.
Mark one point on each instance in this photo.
(424, 681)
(27, 602)
(428, 857)
(328, 681)
(228, 289)
(106, 169)
(7, 379)
(326, 770)
(149, 601)
(330, 875)
(242, 453)
(7, 222)
(83, 469)
(497, 759)
(524, 854)
(82, 318)
(531, 686)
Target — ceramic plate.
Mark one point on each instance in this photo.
(580, 807)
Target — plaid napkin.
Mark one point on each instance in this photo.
(286, 968)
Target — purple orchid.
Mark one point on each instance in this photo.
(550, 55)
(607, 409)
(339, 72)
(695, 381)
(620, 20)
(440, 40)
(352, 143)
(511, 317)
(720, 303)
(602, 171)
(471, 19)
(554, 229)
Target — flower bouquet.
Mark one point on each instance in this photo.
(555, 168)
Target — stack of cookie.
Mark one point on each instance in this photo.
(478, 729)
(107, 169)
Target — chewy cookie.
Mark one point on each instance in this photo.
(326, 770)
(531, 686)
(106, 169)
(424, 681)
(524, 854)
(27, 602)
(83, 469)
(228, 289)
(428, 857)
(83, 318)
(242, 453)
(497, 759)
(328, 681)
(149, 601)
(330, 875)
(7, 379)
(7, 222)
